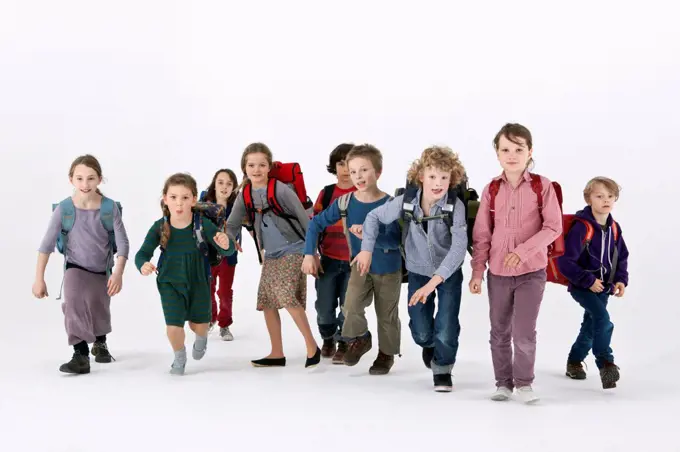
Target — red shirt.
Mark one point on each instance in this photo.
(333, 241)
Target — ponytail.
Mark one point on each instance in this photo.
(165, 229)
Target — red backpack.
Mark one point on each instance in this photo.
(554, 274)
(291, 175)
(556, 248)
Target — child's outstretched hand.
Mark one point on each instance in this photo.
(147, 268)
(363, 261)
(597, 286)
(40, 289)
(222, 240)
(358, 230)
(619, 289)
(475, 286)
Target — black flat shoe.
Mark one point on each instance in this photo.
(314, 360)
(269, 362)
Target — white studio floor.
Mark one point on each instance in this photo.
(223, 402)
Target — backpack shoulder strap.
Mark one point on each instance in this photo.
(494, 188)
(248, 202)
(537, 187)
(615, 230)
(327, 196)
(106, 214)
(68, 215)
(590, 231)
(273, 202)
(343, 204)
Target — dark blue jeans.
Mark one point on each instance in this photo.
(440, 331)
(331, 287)
(596, 328)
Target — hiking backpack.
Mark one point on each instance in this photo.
(291, 175)
(554, 274)
(217, 214)
(68, 218)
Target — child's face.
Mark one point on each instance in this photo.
(179, 200)
(257, 168)
(342, 171)
(223, 186)
(513, 157)
(362, 173)
(435, 182)
(601, 200)
(85, 180)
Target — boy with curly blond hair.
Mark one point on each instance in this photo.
(434, 246)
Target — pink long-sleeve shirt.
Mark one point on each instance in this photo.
(517, 228)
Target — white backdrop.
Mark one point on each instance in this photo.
(152, 88)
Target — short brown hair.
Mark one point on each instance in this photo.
(367, 151)
(440, 157)
(609, 184)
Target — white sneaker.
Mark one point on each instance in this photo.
(502, 394)
(526, 395)
(225, 334)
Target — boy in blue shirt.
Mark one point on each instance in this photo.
(382, 280)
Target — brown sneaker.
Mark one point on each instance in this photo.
(357, 348)
(575, 371)
(339, 357)
(382, 364)
(328, 348)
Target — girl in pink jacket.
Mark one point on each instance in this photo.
(519, 217)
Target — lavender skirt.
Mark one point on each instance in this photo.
(86, 308)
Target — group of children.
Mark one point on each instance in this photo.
(360, 244)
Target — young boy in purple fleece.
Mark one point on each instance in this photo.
(595, 271)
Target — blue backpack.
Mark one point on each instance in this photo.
(68, 218)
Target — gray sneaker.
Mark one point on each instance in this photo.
(225, 334)
(177, 367)
(200, 347)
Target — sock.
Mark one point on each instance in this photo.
(82, 348)
(101, 338)
(181, 355)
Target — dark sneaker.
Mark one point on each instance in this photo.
(382, 364)
(428, 354)
(609, 375)
(328, 348)
(101, 354)
(339, 357)
(575, 371)
(443, 383)
(357, 348)
(79, 364)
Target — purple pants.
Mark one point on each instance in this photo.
(86, 306)
(514, 302)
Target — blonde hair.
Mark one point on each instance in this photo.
(609, 184)
(254, 148)
(369, 152)
(184, 180)
(440, 157)
(89, 161)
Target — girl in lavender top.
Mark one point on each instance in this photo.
(90, 277)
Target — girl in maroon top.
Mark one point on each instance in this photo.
(515, 244)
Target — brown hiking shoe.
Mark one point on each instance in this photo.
(609, 375)
(575, 371)
(382, 364)
(339, 357)
(328, 348)
(357, 348)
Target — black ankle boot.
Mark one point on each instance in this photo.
(101, 354)
(79, 364)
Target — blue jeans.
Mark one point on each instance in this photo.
(440, 331)
(596, 329)
(331, 287)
